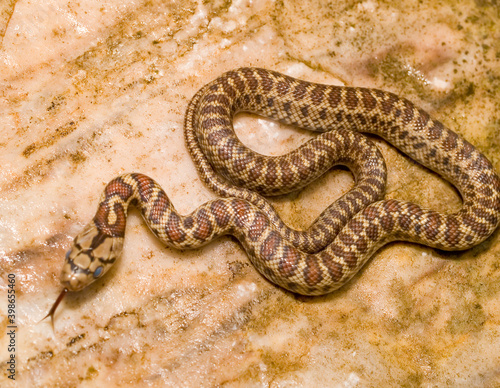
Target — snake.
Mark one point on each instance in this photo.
(344, 237)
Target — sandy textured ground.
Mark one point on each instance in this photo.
(89, 90)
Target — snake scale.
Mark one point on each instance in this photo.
(324, 257)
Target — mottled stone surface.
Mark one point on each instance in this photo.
(90, 90)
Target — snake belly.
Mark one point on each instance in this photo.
(247, 216)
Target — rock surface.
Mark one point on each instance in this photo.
(90, 90)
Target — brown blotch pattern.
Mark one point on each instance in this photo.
(300, 91)
(118, 187)
(203, 226)
(259, 225)
(312, 271)
(102, 220)
(335, 269)
(160, 206)
(369, 102)
(270, 245)
(351, 99)
(173, 229)
(145, 185)
(220, 213)
(289, 261)
(334, 96)
(432, 226)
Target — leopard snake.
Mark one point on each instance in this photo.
(341, 240)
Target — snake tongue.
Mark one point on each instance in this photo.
(54, 307)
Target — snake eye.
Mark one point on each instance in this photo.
(67, 255)
(97, 272)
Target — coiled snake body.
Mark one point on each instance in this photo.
(343, 238)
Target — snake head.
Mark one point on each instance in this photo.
(90, 257)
